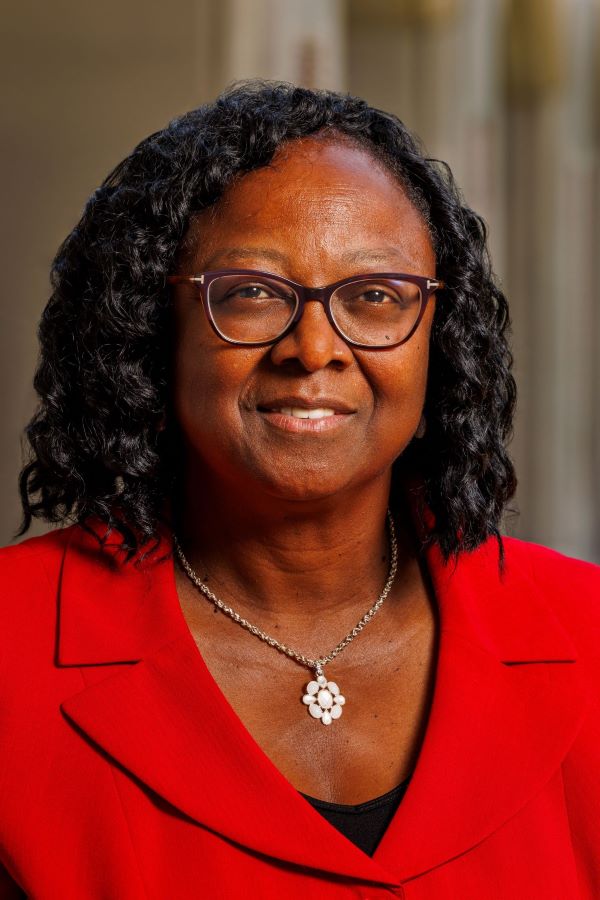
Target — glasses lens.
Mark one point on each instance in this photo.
(379, 313)
(248, 308)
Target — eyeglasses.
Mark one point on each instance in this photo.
(251, 308)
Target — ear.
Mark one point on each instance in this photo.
(422, 427)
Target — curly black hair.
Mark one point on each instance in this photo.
(97, 450)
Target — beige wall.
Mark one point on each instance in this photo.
(82, 83)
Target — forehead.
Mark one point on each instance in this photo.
(323, 197)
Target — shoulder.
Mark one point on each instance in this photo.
(29, 582)
(570, 586)
(18, 560)
(553, 569)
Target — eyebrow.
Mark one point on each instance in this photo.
(270, 254)
(235, 253)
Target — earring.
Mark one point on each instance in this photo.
(422, 427)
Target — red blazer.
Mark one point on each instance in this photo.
(125, 774)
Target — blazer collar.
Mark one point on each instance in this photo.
(115, 612)
(506, 678)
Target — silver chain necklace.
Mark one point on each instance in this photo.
(322, 697)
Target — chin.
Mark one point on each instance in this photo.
(308, 488)
(303, 491)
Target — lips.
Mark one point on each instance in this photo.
(304, 415)
(299, 413)
(307, 407)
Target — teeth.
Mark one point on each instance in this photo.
(299, 413)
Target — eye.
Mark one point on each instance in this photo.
(377, 295)
(373, 294)
(253, 292)
(389, 297)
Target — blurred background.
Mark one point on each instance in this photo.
(506, 91)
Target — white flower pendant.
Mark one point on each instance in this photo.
(324, 700)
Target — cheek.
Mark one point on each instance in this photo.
(205, 380)
(399, 385)
(401, 377)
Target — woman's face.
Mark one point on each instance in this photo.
(322, 211)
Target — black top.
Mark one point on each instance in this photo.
(365, 823)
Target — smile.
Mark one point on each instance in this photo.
(299, 412)
(305, 419)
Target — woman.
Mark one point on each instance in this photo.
(275, 394)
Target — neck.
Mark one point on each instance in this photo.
(282, 559)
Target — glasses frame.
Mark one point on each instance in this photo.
(203, 280)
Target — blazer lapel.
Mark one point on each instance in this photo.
(509, 700)
(508, 703)
(164, 719)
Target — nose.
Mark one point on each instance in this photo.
(313, 342)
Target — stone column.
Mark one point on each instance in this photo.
(286, 40)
